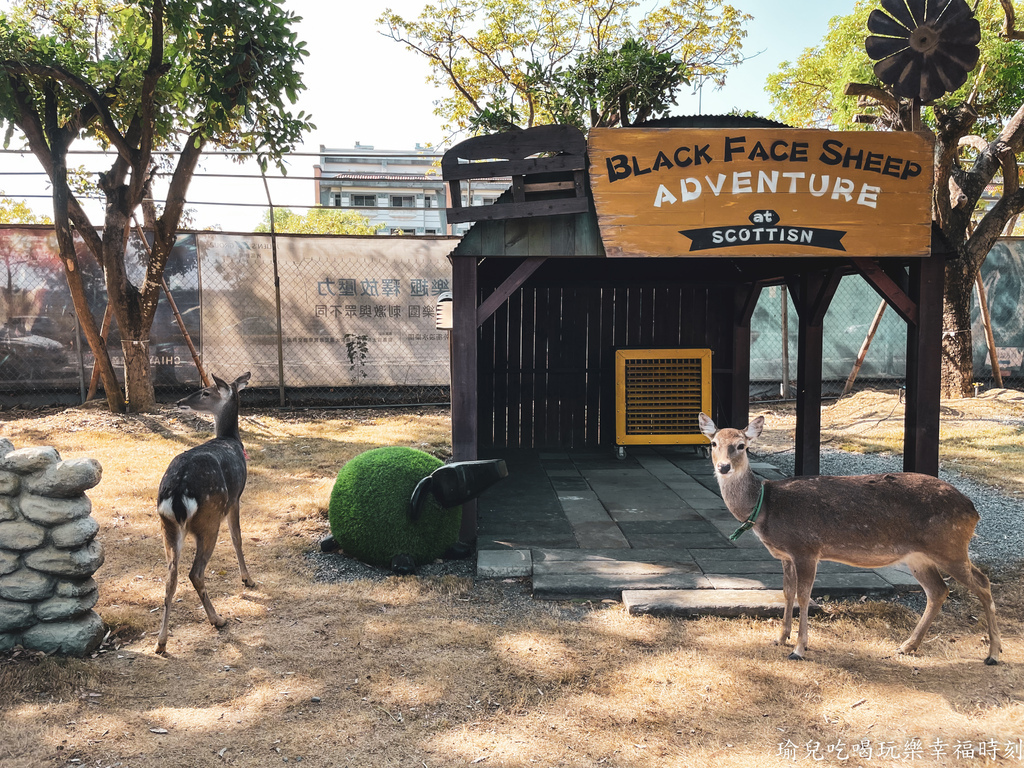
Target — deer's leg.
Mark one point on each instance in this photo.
(236, 539)
(976, 581)
(935, 590)
(173, 536)
(789, 593)
(806, 569)
(206, 540)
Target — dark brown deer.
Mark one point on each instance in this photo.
(200, 488)
(867, 521)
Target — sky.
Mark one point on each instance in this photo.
(362, 86)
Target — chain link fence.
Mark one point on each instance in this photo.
(319, 321)
(865, 341)
(357, 321)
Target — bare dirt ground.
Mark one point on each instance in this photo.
(444, 672)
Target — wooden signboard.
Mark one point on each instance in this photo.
(761, 192)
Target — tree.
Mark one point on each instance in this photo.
(583, 62)
(17, 212)
(320, 221)
(979, 134)
(139, 77)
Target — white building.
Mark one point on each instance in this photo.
(402, 189)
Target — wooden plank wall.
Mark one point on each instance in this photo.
(546, 359)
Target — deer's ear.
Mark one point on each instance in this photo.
(242, 381)
(754, 428)
(221, 384)
(707, 426)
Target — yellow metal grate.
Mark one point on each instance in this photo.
(659, 393)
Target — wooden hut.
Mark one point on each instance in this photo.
(661, 238)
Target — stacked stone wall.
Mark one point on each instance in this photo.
(48, 552)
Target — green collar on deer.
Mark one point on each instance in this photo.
(749, 522)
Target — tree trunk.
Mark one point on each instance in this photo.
(138, 382)
(957, 346)
(128, 302)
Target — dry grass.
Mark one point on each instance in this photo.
(443, 672)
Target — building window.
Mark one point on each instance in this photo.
(336, 199)
(403, 201)
(401, 231)
(429, 231)
(364, 201)
(430, 201)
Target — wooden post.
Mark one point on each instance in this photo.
(746, 301)
(464, 377)
(94, 382)
(993, 356)
(924, 367)
(812, 294)
(872, 330)
(784, 393)
(277, 294)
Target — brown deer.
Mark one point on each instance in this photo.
(201, 487)
(867, 521)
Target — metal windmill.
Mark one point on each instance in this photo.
(923, 48)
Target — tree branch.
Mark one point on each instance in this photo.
(1008, 28)
(60, 74)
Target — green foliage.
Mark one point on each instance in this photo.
(809, 91)
(320, 221)
(215, 70)
(369, 504)
(586, 62)
(18, 212)
(607, 87)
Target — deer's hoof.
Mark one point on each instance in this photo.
(161, 649)
(990, 661)
(249, 582)
(219, 622)
(794, 656)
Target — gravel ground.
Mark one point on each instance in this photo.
(333, 566)
(999, 538)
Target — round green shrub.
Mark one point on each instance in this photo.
(369, 508)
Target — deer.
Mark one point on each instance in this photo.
(202, 486)
(867, 521)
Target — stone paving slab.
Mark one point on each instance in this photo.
(599, 535)
(899, 576)
(714, 556)
(678, 540)
(834, 584)
(689, 603)
(582, 507)
(570, 484)
(562, 586)
(541, 554)
(504, 563)
(597, 525)
(612, 568)
(639, 527)
(525, 540)
(622, 514)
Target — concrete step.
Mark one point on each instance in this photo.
(691, 603)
